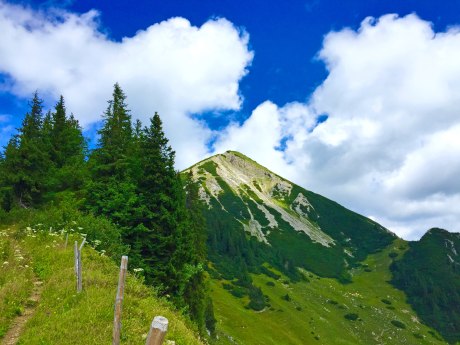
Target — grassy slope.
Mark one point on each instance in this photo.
(320, 321)
(65, 317)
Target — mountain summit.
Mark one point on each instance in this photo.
(282, 255)
(293, 226)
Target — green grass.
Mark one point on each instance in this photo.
(316, 311)
(15, 279)
(63, 316)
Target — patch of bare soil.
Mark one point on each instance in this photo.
(13, 334)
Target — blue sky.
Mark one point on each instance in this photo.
(259, 77)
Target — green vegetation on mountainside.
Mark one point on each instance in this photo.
(429, 273)
(251, 214)
(323, 311)
(127, 187)
(63, 316)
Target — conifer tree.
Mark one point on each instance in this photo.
(196, 289)
(159, 232)
(67, 150)
(27, 161)
(111, 191)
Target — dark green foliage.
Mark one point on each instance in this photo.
(365, 236)
(26, 161)
(126, 197)
(210, 167)
(418, 335)
(384, 300)
(210, 320)
(257, 299)
(393, 255)
(270, 283)
(269, 273)
(111, 191)
(286, 297)
(431, 281)
(351, 316)
(398, 324)
(196, 288)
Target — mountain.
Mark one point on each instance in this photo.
(429, 274)
(289, 266)
(248, 205)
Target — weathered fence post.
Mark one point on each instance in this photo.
(119, 301)
(158, 330)
(75, 257)
(66, 239)
(79, 278)
(78, 266)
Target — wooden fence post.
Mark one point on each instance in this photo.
(119, 301)
(66, 239)
(158, 330)
(78, 266)
(75, 257)
(79, 277)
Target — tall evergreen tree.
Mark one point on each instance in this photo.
(67, 150)
(111, 191)
(27, 160)
(196, 288)
(159, 230)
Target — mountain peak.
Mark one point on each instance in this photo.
(235, 174)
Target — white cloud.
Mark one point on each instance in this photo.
(390, 147)
(171, 67)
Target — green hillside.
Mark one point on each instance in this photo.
(36, 256)
(292, 267)
(323, 311)
(255, 216)
(429, 274)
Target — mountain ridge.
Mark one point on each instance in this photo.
(265, 232)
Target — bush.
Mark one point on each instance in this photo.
(393, 255)
(257, 299)
(270, 283)
(286, 297)
(351, 316)
(384, 300)
(269, 273)
(398, 324)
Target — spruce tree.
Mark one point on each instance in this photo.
(28, 169)
(159, 236)
(111, 191)
(67, 150)
(196, 288)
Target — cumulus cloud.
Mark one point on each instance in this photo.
(171, 67)
(390, 146)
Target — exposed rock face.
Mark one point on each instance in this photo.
(250, 182)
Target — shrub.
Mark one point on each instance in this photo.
(286, 297)
(393, 255)
(351, 316)
(398, 324)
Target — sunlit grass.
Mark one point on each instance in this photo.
(316, 311)
(15, 279)
(65, 317)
